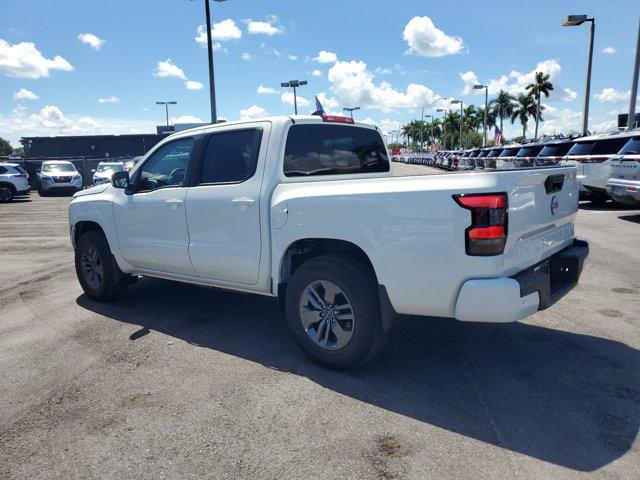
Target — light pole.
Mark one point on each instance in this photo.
(574, 21)
(166, 107)
(486, 104)
(460, 102)
(294, 84)
(350, 110)
(631, 118)
(444, 122)
(422, 128)
(212, 85)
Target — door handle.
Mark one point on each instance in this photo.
(243, 202)
(173, 202)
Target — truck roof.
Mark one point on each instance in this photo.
(280, 119)
(603, 136)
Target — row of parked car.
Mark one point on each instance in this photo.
(608, 164)
(53, 176)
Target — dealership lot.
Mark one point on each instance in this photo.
(180, 381)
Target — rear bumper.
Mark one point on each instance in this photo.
(624, 191)
(509, 299)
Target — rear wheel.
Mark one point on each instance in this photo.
(333, 310)
(95, 267)
(7, 192)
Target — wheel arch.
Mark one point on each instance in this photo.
(9, 185)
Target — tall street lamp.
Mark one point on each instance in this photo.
(460, 102)
(166, 107)
(574, 21)
(631, 118)
(350, 110)
(212, 85)
(294, 84)
(486, 103)
(444, 122)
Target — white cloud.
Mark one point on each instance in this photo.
(611, 95)
(193, 85)
(266, 90)
(186, 119)
(383, 71)
(24, 94)
(169, 69)
(246, 56)
(221, 31)
(425, 39)
(386, 125)
(353, 84)
(325, 57)
(557, 120)
(609, 50)
(292, 57)
(252, 112)
(287, 98)
(316, 73)
(111, 99)
(274, 52)
(516, 82)
(24, 60)
(330, 104)
(92, 40)
(264, 28)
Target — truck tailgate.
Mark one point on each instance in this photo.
(542, 205)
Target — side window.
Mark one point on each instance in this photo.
(231, 157)
(2, 170)
(167, 166)
(609, 146)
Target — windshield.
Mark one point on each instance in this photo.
(114, 167)
(632, 147)
(555, 150)
(494, 153)
(529, 151)
(58, 167)
(509, 152)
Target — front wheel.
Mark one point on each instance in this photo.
(6, 194)
(333, 310)
(95, 268)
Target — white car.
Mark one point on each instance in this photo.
(305, 209)
(14, 181)
(624, 184)
(58, 176)
(592, 157)
(102, 173)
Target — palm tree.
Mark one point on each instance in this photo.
(502, 106)
(451, 125)
(540, 86)
(524, 108)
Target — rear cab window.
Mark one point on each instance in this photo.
(509, 152)
(321, 149)
(529, 151)
(609, 146)
(555, 150)
(632, 147)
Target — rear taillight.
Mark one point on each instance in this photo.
(487, 234)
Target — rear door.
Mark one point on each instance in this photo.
(223, 208)
(542, 204)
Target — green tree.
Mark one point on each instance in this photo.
(523, 109)
(540, 86)
(502, 106)
(5, 147)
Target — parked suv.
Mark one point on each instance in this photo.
(102, 173)
(592, 158)
(624, 184)
(506, 157)
(13, 181)
(553, 151)
(526, 156)
(490, 159)
(58, 176)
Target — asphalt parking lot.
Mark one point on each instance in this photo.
(179, 381)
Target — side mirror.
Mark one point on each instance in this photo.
(120, 180)
(93, 170)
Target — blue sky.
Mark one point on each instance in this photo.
(389, 58)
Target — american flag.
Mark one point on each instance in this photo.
(319, 108)
(497, 139)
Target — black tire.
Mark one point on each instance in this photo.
(108, 287)
(42, 193)
(7, 192)
(359, 284)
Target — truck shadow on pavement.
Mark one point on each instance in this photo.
(565, 398)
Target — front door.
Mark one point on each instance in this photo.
(151, 223)
(223, 208)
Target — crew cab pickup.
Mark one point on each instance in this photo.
(306, 209)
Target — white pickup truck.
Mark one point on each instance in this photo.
(305, 209)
